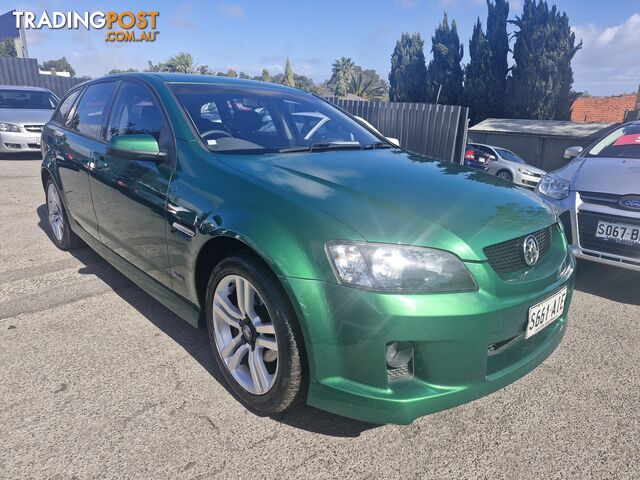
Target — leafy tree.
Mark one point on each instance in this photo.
(408, 70)
(289, 79)
(444, 73)
(341, 87)
(204, 70)
(113, 71)
(265, 75)
(477, 95)
(541, 79)
(59, 65)
(8, 48)
(498, 43)
(342, 67)
(231, 73)
(180, 63)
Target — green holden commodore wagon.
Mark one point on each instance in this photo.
(327, 264)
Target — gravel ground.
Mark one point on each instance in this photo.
(98, 380)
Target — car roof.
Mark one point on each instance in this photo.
(205, 79)
(21, 87)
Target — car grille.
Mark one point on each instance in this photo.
(33, 128)
(507, 257)
(587, 225)
(597, 198)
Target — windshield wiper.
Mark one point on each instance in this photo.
(321, 147)
(377, 145)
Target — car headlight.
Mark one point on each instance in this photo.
(554, 187)
(398, 268)
(9, 127)
(524, 171)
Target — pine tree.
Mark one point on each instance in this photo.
(408, 70)
(498, 42)
(541, 79)
(265, 75)
(289, 79)
(477, 95)
(444, 73)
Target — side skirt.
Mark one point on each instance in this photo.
(178, 305)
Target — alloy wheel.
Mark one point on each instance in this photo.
(56, 219)
(244, 334)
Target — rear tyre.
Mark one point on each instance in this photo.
(61, 233)
(254, 335)
(505, 175)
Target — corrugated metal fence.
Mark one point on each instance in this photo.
(24, 72)
(438, 131)
(631, 115)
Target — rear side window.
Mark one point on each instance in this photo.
(60, 116)
(87, 118)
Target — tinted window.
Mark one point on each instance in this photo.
(63, 110)
(27, 99)
(135, 111)
(88, 116)
(509, 155)
(250, 119)
(623, 142)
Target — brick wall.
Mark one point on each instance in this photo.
(602, 109)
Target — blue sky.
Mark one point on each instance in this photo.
(250, 35)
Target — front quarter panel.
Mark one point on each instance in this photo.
(218, 201)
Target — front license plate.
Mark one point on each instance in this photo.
(619, 233)
(545, 312)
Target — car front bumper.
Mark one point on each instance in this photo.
(570, 211)
(453, 336)
(16, 142)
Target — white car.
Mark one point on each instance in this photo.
(597, 196)
(23, 112)
(509, 166)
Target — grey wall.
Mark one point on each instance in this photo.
(543, 152)
(438, 131)
(24, 72)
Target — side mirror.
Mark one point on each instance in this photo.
(492, 158)
(572, 152)
(135, 147)
(395, 141)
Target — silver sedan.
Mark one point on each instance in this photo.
(23, 112)
(597, 196)
(509, 166)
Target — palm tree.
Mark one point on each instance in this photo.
(366, 87)
(342, 67)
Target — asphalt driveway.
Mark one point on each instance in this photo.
(98, 380)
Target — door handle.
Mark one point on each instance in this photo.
(97, 163)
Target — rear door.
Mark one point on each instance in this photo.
(74, 147)
(129, 196)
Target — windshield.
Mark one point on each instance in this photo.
(623, 143)
(232, 119)
(508, 155)
(27, 99)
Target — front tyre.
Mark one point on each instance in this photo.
(505, 175)
(254, 334)
(61, 233)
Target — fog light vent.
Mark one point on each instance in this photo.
(399, 356)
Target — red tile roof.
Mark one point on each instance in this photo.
(602, 109)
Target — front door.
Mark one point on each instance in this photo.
(129, 195)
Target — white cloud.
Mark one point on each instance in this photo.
(609, 62)
(231, 10)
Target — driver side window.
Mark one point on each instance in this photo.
(135, 111)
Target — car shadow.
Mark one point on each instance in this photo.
(612, 283)
(196, 342)
(21, 156)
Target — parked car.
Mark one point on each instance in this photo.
(476, 159)
(597, 196)
(23, 112)
(339, 269)
(510, 167)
